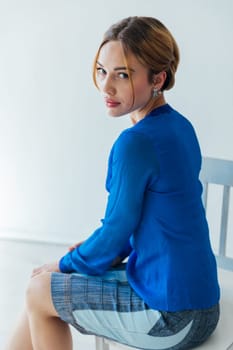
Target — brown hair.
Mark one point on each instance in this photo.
(150, 41)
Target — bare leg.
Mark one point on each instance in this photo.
(21, 338)
(48, 331)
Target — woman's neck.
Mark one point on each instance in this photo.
(138, 115)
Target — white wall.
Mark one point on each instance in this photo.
(54, 132)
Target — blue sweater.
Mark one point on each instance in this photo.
(155, 216)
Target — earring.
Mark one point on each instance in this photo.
(155, 93)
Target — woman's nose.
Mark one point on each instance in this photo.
(108, 86)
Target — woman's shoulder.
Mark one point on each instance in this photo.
(130, 144)
(132, 137)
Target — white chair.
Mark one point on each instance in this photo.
(220, 172)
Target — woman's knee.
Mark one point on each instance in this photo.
(38, 294)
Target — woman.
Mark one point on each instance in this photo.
(166, 296)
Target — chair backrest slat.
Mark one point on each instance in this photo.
(224, 220)
(205, 194)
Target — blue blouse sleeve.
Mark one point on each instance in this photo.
(131, 168)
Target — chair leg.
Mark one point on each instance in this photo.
(100, 344)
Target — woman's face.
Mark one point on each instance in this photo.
(112, 77)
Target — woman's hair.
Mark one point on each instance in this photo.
(150, 41)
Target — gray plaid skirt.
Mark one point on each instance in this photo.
(107, 306)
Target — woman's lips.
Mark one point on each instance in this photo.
(111, 103)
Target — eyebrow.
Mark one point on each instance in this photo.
(118, 68)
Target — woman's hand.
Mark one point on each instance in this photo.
(52, 267)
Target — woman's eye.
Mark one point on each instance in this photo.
(123, 75)
(100, 71)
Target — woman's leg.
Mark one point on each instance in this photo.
(40, 327)
(21, 338)
(47, 330)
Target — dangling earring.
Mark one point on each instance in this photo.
(155, 92)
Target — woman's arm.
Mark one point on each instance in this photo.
(132, 167)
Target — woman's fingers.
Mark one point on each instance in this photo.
(52, 267)
(75, 246)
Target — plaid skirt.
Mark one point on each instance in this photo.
(107, 306)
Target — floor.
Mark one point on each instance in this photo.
(17, 259)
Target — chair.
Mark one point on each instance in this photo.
(219, 172)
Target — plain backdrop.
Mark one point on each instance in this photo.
(55, 135)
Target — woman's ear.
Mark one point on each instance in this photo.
(159, 80)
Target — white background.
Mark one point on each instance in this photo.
(55, 134)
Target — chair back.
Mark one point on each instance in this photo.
(219, 172)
